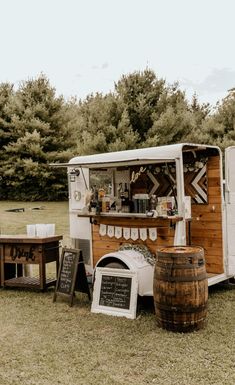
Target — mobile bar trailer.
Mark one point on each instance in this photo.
(159, 196)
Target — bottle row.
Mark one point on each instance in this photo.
(138, 203)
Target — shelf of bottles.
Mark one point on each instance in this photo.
(140, 205)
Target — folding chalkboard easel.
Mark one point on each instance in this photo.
(72, 275)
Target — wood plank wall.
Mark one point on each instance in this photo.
(103, 244)
(206, 225)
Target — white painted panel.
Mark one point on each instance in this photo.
(230, 206)
(230, 166)
(231, 215)
(78, 186)
(79, 227)
(135, 262)
(231, 196)
(231, 265)
(231, 240)
(187, 207)
(80, 233)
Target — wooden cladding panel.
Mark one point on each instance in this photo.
(103, 244)
(206, 225)
(202, 225)
(214, 182)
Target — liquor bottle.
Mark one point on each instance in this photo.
(153, 202)
(95, 203)
(122, 197)
(126, 193)
(119, 191)
(125, 200)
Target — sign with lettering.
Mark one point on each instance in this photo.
(72, 275)
(115, 292)
(22, 253)
(135, 175)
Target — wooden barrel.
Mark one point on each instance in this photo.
(180, 288)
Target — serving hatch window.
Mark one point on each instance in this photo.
(102, 179)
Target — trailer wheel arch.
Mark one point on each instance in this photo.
(112, 263)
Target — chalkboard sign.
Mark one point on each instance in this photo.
(115, 292)
(71, 275)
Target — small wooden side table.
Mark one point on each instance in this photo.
(19, 250)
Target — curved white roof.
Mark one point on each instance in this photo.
(142, 155)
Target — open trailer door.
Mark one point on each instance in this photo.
(230, 206)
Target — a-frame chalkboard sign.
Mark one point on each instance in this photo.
(72, 275)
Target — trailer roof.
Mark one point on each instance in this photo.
(143, 155)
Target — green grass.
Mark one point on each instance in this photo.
(46, 343)
(52, 212)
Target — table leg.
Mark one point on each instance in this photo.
(42, 271)
(2, 265)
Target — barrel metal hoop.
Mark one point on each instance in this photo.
(183, 250)
(168, 278)
(177, 256)
(178, 309)
(177, 266)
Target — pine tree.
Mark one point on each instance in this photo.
(103, 126)
(40, 136)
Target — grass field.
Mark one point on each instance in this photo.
(38, 212)
(45, 343)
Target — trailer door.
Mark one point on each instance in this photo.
(230, 206)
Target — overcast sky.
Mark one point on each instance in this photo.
(85, 46)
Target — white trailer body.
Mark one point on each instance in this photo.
(194, 169)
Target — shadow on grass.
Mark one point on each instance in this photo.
(145, 305)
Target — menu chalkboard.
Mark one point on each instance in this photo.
(67, 272)
(70, 276)
(115, 292)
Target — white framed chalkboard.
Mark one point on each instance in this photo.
(115, 292)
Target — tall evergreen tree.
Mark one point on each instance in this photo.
(40, 136)
(224, 122)
(6, 95)
(159, 113)
(140, 93)
(103, 125)
(218, 128)
(6, 130)
(37, 128)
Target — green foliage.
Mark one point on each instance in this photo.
(219, 128)
(143, 111)
(172, 126)
(38, 128)
(140, 92)
(6, 127)
(104, 126)
(36, 135)
(159, 113)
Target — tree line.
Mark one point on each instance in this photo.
(37, 128)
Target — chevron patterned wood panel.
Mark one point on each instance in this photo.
(161, 181)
